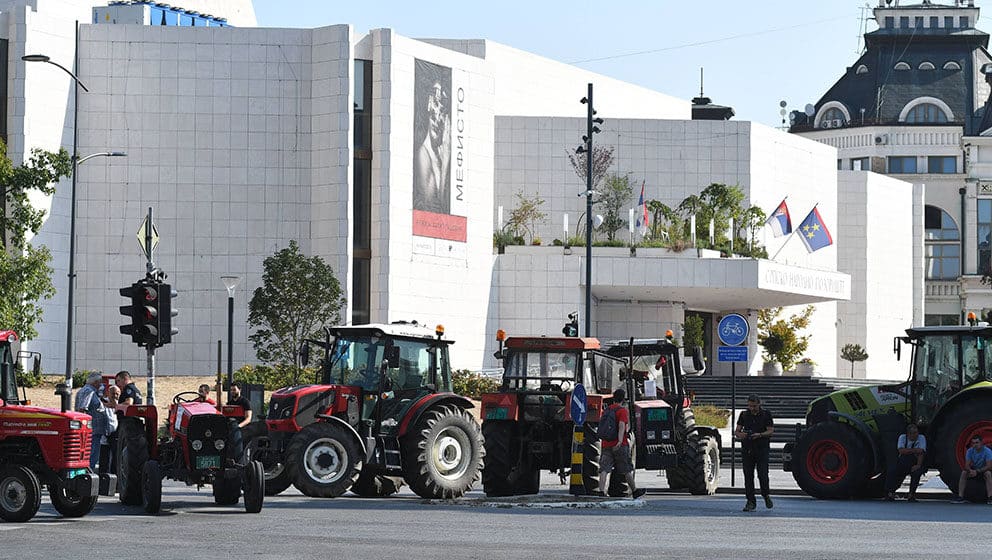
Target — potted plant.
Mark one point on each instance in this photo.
(780, 338)
(773, 343)
(805, 367)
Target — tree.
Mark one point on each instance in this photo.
(717, 202)
(602, 160)
(693, 333)
(615, 196)
(299, 296)
(25, 273)
(853, 353)
(525, 216)
(780, 338)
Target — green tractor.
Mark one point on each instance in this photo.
(850, 435)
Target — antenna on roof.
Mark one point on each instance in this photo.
(701, 82)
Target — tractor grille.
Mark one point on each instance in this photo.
(73, 448)
(218, 427)
(543, 407)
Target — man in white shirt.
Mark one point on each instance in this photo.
(912, 451)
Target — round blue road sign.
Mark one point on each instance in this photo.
(579, 404)
(733, 329)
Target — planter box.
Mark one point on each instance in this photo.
(708, 253)
(772, 369)
(804, 370)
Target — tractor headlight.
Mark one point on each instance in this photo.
(665, 434)
(197, 445)
(219, 444)
(75, 424)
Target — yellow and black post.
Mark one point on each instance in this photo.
(576, 485)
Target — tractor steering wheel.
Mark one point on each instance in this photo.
(184, 397)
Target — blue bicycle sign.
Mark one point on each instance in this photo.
(733, 329)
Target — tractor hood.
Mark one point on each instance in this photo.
(17, 411)
(860, 402)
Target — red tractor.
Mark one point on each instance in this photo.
(203, 446)
(42, 447)
(382, 413)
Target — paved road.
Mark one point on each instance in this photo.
(405, 527)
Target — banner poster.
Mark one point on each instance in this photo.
(439, 154)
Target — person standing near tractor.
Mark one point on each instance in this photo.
(977, 465)
(754, 429)
(912, 449)
(88, 401)
(237, 399)
(129, 391)
(615, 455)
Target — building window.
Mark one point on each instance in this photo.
(935, 22)
(902, 164)
(942, 164)
(361, 262)
(984, 232)
(941, 320)
(949, 22)
(919, 22)
(927, 66)
(902, 66)
(951, 65)
(832, 118)
(965, 22)
(926, 113)
(890, 22)
(840, 165)
(943, 249)
(860, 164)
(904, 22)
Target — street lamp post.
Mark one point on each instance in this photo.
(230, 282)
(591, 128)
(76, 161)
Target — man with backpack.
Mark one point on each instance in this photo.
(614, 427)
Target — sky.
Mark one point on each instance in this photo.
(755, 53)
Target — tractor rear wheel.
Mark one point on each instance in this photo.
(132, 453)
(151, 487)
(259, 448)
(254, 476)
(679, 477)
(70, 506)
(951, 442)
(702, 465)
(370, 485)
(442, 453)
(529, 483)
(20, 493)
(831, 461)
(591, 450)
(324, 460)
(227, 491)
(502, 458)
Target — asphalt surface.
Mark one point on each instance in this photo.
(661, 525)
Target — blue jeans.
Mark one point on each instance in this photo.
(95, 449)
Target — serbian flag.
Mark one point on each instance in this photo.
(642, 210)
(814, 233)
(780, 221)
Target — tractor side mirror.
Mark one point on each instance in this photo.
(36, 368)
(305, 354)
(897, 347)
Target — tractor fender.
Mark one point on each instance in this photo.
(708, 431)
(428, 402)
(368, 446)
(981, 390)
(865, 431)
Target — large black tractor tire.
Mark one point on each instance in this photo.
(529, 482)
(132, 453)
(442, 453)
(151, 487)
(832, 461)
(227, 491)
(680, 477)
(370, 485)
(502, 458)
(873, 488)
(254, 489)
(20, 494)
(70, 506)
(324, 460)
(257, 447)
(591, 452)
(951, 442)
(701, 465)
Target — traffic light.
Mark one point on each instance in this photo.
(166, 313)
(134, 311)
(571, 328)
(150, 302)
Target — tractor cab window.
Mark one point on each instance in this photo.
(608, 372)
(540, 370)
(416, 365)
(976, 357)
(443, 368)
(937, 372)
(660, 368)
(8, 381)
(356, 361)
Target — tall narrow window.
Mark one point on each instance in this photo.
(984, 231)
(361, 280)
(943, 248)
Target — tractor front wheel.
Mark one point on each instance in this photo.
(20, 494)
(702, 465)
(591, 452)
(442, 453)
(151, 487)
(132, 453)
(227, 491)
(70, 506)
(831, 461)
(324, 460)
(952, 440)
(259, 448)
(254, 476)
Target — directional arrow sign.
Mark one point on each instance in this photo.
(143, 233)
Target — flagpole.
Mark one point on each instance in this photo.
(787, 239)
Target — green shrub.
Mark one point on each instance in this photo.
(80, 375)
(472, 385)
(27, 378)
(709, 415)
(274, 377)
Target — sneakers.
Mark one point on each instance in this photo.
(749, 506)
(638, 493)
(768, 502)
(958, 500)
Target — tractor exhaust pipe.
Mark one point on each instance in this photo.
(64, 394)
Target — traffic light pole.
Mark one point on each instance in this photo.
(149, 267)
(589, 116)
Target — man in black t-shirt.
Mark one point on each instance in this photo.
(129, 391)
(237, 399)
(754, 430)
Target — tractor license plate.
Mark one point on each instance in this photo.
(73, 473)
(208, 461)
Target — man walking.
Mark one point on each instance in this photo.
(754, 430)
(615, 455)
(88, 401)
